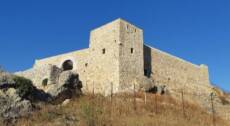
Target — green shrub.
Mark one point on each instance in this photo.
(24, 86)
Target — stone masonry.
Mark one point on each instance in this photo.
(118, 58)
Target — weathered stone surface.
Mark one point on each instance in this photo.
(37, 74)
(66, 102)
(67, 86)
(12, 106)
(59, 84)
(118, 59)
(176, 73)
(6, 79)
(117, 56)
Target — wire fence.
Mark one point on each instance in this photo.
(209, 102)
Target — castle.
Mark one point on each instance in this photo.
(117, 56)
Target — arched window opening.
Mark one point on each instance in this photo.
(67, 65)
(45, 82)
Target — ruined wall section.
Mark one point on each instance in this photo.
(131, 65)
(37, 74)
(79, 59)
(174, 72)
(104, 58)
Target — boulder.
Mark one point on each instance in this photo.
(67, 86)
(66, 102)
(145, 83)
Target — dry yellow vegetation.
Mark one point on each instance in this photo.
(123, 110)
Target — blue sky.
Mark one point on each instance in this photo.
(195, 30)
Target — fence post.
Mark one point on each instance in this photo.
(93, 109)
(213, 110)
(156, 107)
(111, 93)
(111, 107)
(183, 106)
(93, 90)
(134, 95)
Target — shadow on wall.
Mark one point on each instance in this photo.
(147, 61)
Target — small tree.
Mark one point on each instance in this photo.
(24, 87)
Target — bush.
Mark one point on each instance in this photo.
(24, 87)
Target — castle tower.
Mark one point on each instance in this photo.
(104, 58)
(131, 64)
(116, 56)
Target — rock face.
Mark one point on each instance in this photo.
(6, 79)
(67, 85)
(60, 85)
(12, 105)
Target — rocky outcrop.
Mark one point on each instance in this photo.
(6, 79)
(18, 95)
(12, 105)
(67, 85)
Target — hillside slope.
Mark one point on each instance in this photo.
(123, 110)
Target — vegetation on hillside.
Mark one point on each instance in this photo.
(24, 86)
(122, 110)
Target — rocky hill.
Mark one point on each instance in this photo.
(19, 97)
(63, 104)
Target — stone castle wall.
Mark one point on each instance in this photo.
(79, 59)
(37, 74)
(104, 58)
(174, 72)
(117, 56)
(131, 64)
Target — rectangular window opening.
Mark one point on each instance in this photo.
(103, 51)
(132, 50)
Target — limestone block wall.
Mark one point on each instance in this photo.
(37, 74)
(131, 65)
(117, 56)
(174, 72)
(79, 59)
(104, 58)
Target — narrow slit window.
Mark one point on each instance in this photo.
(132, 50)
(103, 51)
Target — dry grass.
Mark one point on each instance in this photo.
(124, 110)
